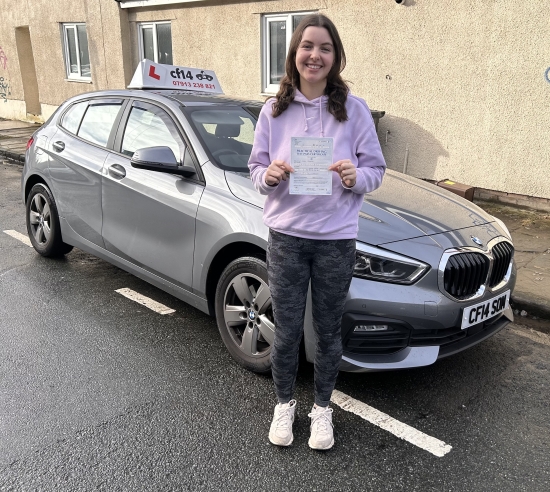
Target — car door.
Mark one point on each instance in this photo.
(149, 216)
(77, 153)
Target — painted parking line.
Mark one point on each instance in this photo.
(145, 301)
(20, 237)
(384, 421)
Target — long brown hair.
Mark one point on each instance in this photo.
(336, 89)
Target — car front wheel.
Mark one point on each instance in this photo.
(244, 313)
(43, 223)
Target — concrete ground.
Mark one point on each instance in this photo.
(530, 231)
(14, 136)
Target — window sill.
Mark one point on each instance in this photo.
(268, 94)
(80, 81)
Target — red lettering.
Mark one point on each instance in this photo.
(152, 73)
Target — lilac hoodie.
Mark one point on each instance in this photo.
(321, 216)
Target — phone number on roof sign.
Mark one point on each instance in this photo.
(193, 85)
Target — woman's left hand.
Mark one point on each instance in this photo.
(346, 170)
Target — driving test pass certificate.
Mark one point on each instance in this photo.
(311, 158)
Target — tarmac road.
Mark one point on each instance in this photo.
(99, 392)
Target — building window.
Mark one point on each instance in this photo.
(77, 56)
(277, 30)
(155, 42)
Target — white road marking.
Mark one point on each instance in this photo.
(20, 237)
(145, 301)
(384, 421)
(536, 336)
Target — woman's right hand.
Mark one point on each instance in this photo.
(276, 172)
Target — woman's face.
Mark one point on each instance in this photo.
(315, 56)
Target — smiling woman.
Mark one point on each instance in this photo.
(314, 61)
(313, 228)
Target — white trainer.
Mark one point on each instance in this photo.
(280, 432)
(322, 434)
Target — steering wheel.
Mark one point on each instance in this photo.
(216, 153)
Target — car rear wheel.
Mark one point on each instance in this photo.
(244, 313)
(43, 223)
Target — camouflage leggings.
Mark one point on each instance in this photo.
(292, 262)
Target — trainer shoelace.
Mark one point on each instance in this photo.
(284, 418)
(320, 416)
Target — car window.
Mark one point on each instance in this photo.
(72, 118)
(227, 133)
(98, 122)
(149, 126)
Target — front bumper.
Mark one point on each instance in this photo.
(425, 325)
(420, 347)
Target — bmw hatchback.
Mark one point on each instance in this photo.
(154, 180)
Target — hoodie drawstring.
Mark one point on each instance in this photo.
(320, 116)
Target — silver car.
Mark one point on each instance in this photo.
(156, 182)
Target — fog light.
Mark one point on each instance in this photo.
(371, 328)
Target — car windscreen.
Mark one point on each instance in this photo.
(227, 133)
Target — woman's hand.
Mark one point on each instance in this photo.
(276, 172)
(346, 170)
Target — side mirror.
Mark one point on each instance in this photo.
(160, 159)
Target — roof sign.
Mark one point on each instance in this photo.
(151, 75)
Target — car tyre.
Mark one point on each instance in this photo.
(244, 313)
(43, 223)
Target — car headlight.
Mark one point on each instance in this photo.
(383, 266)
(503, 225)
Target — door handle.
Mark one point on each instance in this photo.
(117, 171)
(59, 146)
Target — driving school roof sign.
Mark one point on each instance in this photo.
(150, 75)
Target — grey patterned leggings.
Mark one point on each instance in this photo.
(291, 263)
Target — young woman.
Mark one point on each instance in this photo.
(312, 237)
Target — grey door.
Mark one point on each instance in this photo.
(78, 152)
(148, 216)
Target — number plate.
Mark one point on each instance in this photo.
(484, 310)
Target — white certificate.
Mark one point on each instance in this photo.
(311, 158)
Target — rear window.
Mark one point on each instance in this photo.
(98, 122)
(227, 134)
(72, 118)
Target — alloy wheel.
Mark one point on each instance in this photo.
(248, 314)
(40, 219)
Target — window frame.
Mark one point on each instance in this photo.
(141, 48)
(73, 27)
(268, 88)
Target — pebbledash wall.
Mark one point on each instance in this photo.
(465, 85)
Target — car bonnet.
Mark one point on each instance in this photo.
(405, 207)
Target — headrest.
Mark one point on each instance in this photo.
(227, 130)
